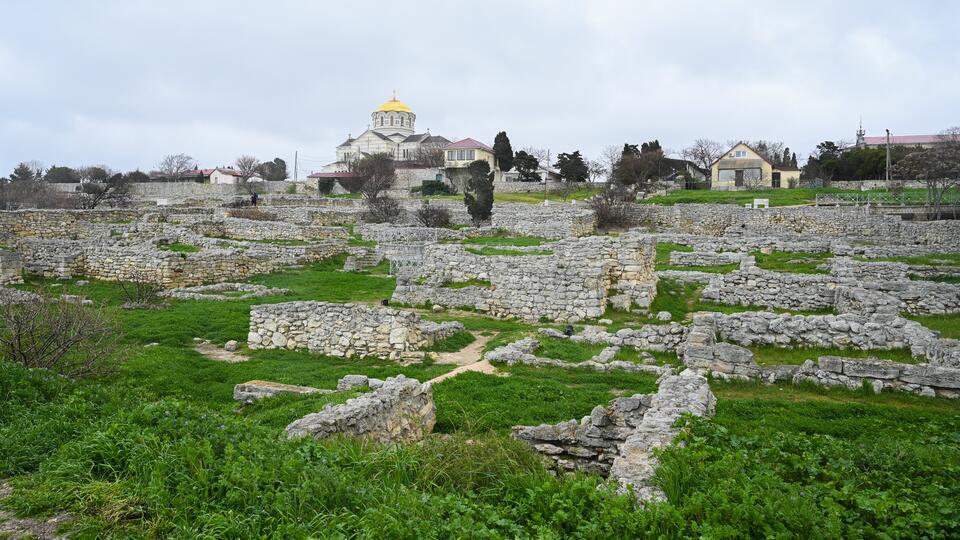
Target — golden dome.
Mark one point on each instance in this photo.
(394, 105)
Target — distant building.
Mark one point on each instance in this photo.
(742, 167)
(918, 141)
(218, 175)
(393, 133)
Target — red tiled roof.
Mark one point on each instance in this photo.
(902, 139)
(469, 143)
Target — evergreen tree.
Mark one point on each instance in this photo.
(572, 167)
(502, 151)
(62, 175)
(793, 160)
(526, 165)
(478, 197)
(785, 160)
(23, 173)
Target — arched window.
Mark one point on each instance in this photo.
(391, 120)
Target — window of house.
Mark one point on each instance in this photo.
(727, 175)
(451, 155)
(740, 154)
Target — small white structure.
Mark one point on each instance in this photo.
(761, 203)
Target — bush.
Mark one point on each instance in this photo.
(610, 208)
(33, 194)
(252, 213)
(382, 209)
(325, 185)
(141, 292)
(433, 216)
(435, 187)
(62, 336)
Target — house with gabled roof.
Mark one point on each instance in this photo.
(742, 167)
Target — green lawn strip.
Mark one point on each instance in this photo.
(769, 355)
(177, 247)
(632, 355)
(475, 402)
(566, 349)
(491, 251)
(453, 343)
(947, 324)
(954, 279)
(278, 411)
(713, 269)
(777, 197)
(503, 238)
(800, 262)
(469, 283)
(934, 259)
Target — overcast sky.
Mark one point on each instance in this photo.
(123, 83)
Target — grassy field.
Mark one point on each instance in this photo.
(777, 197)
(769, 355)
(947, 324)
(505, 239)
(664, 249)
(567, 350)
(159, 449)
(798, 262)
(177, 247)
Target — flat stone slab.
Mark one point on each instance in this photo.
(251, 391)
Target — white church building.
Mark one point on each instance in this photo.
(392, 131)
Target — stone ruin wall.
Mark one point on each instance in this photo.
(399, 410)
(940, 376)
(572, 283)
(623, 438)
(852, 286)
(343, 330)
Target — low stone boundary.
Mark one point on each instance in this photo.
(212, 292)
(344, 330)
(400, 410)
(252, 391)
(521, 352)
(621, 439)
(11, 267)
(651, 337)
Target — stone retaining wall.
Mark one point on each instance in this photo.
(622, 438)
(11, 267)
(400, 410)
(343, 330)
(572, 283)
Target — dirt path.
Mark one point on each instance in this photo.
(468, 359)
(12, 527)
(219, 354)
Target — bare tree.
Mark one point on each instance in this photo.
(429, 155)
(596, 170)
(247, 167)
(542, 155)
(937, 167)
(114, 190)
(609, 158)
(376, 173)
(63, 336)
(175, 166)
(703, 152)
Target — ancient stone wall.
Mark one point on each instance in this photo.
(400, 410)
(573, 280)
(622, 438)
(11, 267)
(343, 330)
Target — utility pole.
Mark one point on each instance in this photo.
(296, 156)
(888, 159)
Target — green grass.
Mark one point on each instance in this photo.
(936, 259)
(278, 411)
(955, 279)
(503, 238)
(778, 197)
(177, 247)
(475, 402)
(632, 355)
(800, 262)
(453, 343)
(492, 251)
(947, 324)
(566, 349)
(469, 283)
(664, 249)
(769, 355)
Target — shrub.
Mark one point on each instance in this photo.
(382, 210)
(252, 213)
(140, 292)
(62, 336)
(433, 216)
(291, 189)
(325, 185)
(434, 187)
(610, 208)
